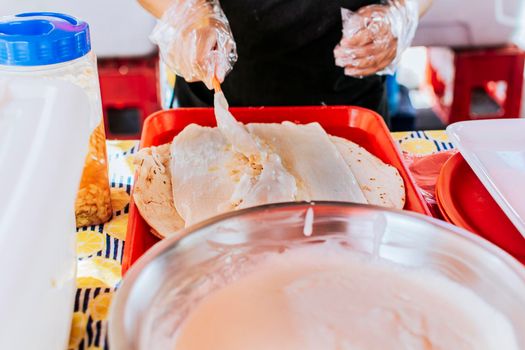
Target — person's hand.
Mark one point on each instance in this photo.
(375, 37)
(195, 40)
(368, 44)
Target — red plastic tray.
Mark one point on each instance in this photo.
(353, 123)
(465, 202)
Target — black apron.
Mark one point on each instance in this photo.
(286, 58)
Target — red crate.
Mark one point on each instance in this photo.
(359, 125)
(129, 84)
(479, 69)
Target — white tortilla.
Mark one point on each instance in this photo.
(298, 163)
(152, 191)
(209, 177)
(234, 132)
(314, 161)
(381, 183)
(201, 167)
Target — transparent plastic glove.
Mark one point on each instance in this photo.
(195, 40)
(375, 37)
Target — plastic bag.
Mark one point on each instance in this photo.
(375, 37)
(425, 171)
(93, 203)
(195, 40)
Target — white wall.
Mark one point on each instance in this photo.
(118, 27)
(471, 23)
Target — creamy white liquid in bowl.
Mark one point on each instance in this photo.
(321, 297)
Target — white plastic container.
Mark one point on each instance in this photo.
(41, 152)
(495, 150)
(58, 47)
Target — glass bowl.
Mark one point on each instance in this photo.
(161, 289)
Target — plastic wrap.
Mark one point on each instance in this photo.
(425, 171)
(195, 40)
(93, 203)
(375, 37)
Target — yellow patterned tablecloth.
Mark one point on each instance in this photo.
(100, 247)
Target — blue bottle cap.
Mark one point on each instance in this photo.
(42, 38)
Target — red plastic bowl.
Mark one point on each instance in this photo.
(465, 202)
(359, 125)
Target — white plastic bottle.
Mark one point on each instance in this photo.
(50, 118)
(56, 46)
(41, 157)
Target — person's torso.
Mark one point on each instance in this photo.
(273, 28)
(285, 50)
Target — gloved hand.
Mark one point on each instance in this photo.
(195, 40)
(375, 37)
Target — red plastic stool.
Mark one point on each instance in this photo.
(486, 70)
(129, 89)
